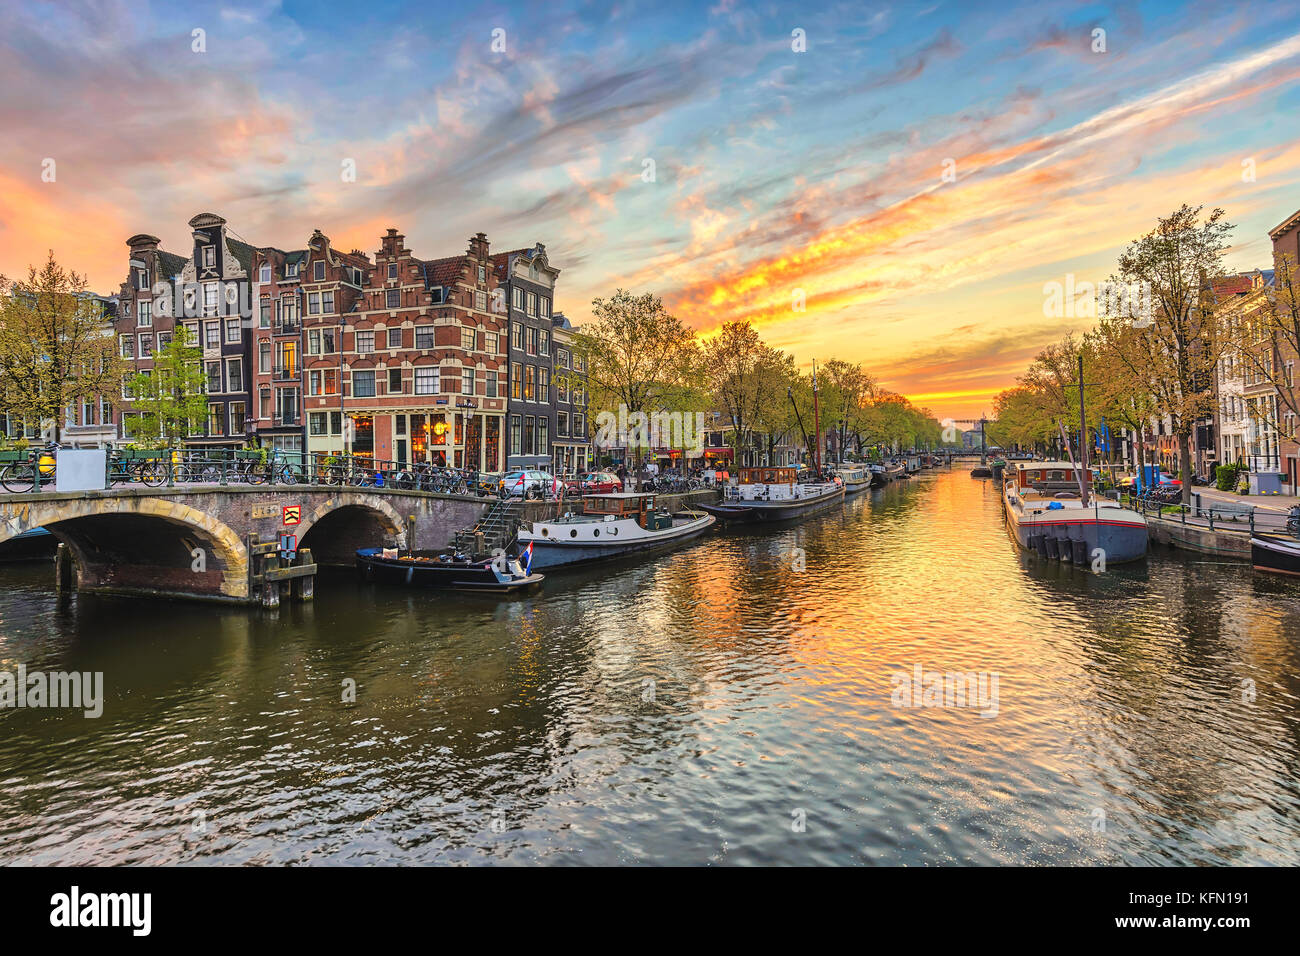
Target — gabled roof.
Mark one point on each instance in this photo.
(172, 264)
(444, 271)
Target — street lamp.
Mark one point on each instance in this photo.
(466, 404)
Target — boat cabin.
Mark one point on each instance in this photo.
(1049, 479)
(768, 476)
(639, 507)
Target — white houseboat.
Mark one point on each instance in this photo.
(775, 494)
(1051, 510)
(610, 526)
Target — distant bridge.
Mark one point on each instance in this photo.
(208, 541)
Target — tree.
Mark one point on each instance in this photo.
(1173, 268)
(171, 398)
(636, 358)
(57, 349)
(846, 394)
(749, 380)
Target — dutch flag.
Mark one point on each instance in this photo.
(528, 564)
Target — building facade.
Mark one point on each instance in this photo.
(571, 450)
(527, 282)
(210, 294)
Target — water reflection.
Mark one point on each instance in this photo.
(690, 709)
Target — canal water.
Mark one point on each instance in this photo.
(739, 702)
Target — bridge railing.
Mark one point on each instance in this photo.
(189, 466)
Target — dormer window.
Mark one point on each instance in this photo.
(291, 270)
(209, 257)
(319, 267)
(357, 277)
(142, 278)
(264, 273)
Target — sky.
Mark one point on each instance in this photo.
(892, 184)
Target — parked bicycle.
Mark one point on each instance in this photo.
(20, 477)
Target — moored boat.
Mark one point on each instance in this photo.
(611, 526)
(1050, 509)
(459, 572)
(1275, 553)
(774, 494)
(855, 477)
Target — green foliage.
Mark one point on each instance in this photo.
(1225, 477)
(171, 399)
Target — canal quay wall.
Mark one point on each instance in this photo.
(1224, 542)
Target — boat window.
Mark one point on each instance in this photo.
(595, 532)
(573, 533)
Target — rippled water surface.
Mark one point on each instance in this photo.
(710, 706)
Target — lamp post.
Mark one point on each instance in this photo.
(466, 404)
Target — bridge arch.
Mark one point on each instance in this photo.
(139, 544)
(338, 526)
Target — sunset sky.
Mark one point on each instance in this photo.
(774, 170)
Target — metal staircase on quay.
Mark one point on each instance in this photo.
(498, 527)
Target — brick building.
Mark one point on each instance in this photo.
(418, 374)
(208, 292)
(571, 448)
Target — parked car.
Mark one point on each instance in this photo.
(1164, 480)
(528, 483)
(593, 483)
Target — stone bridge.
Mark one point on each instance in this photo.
(201, 541)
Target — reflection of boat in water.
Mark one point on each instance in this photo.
(611, 526)
(855, 477)
(1051, 510)
(430, 569)
(1275, 553)
(774, 494)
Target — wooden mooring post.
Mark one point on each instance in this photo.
(65, 577)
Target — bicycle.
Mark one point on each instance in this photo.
(21, 477)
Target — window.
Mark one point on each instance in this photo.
(424, 336)
(532, 341)
(232, 331)
(562, 424)
(515, 435)
(317, 423)
(286, 406)
(363, 383)
(216, 420)
(313, 342)
(236, 418)
(336, 423)
(467, 339)
(212, 331)
(579, 426)
(365, 342)
(394, 381)
(146, 345)
(287, 353)
(517, 336)
(467, 382)
(490, 343)
(264, 272)
(234, 376)
(393, 298)
(532, 303)
(561, 389)
(482, 274)
(392, 270)
(210, 260)
(128, 346)
(490, 385)
(518, 298)
(426, 380)
(543, 436)
(319, 267)
(264, 402)
(562, 357)
(265, 318)
(323, 381)
(530, 424)
(214, 376)
(543, 384)
(327, 346)
(291, 270)
(142, 278)
(164, 340)
(288, 310)
(327, 303)
(480, 300)
(544, 343)
(545, 305)
(313, 302)
(530, 383)
(210, 299)
(516, 381)
(145, 312)
(264, 357)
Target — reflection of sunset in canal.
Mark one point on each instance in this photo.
(681, 709)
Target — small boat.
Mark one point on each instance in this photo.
(982, 471)
(1275, 553)
(775, 494)
(432, 569)
(611, 526)
(1051, 510)
(879, 476)
(855, 477)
